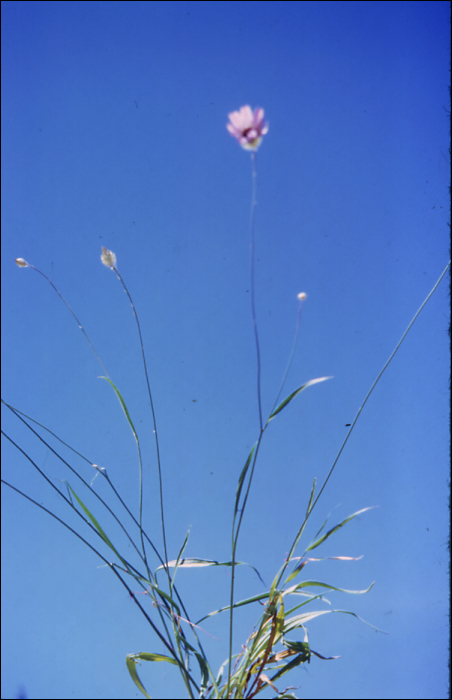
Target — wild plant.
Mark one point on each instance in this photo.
(278, 642)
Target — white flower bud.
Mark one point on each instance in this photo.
(21, 262)
(108, 257)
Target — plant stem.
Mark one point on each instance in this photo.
(235, 534)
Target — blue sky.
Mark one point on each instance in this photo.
(114, 134)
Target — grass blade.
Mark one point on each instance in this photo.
(123, 404)
(104, 536)
(133, 659)
(242, 479)
(318, 542)
(294, 394)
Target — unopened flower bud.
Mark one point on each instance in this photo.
(21, 262)
(108, 257)
(302, 296)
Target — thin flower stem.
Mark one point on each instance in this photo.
(386, 365)
(253, 304)
(159, 466)
(235, 534)
(70, 309)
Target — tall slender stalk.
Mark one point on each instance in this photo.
(235, 533)
(154, 421)
(253, 302)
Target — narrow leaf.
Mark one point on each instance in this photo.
(194, 563)
(334, 529)
(311, 499)
(98, 527)
(332, 588)
(179, 557)
(242, 478)
(254, 599)
(203, 665)
(294, 394)
(304, 560)
(298, 647)
(299, 659)
(146, 656)
(172, 603)
(131, 665)
(123, 404)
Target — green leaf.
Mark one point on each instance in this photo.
(300, 647)
(98, 527)
(146, 656)
(294, 394)
(334, 529)
(299, 659)
(300, 620)
(133, 659)
(311, 499)
(194, 563)
(172, 603)
(203, 665)
(254, 599)
(131, 665)
(303, 584)
(279, 620)
(305, 560)
(179, 558)
(242, 478)
(123, 404)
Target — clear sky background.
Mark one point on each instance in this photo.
(113, 125)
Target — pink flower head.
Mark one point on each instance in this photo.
(247, 127)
